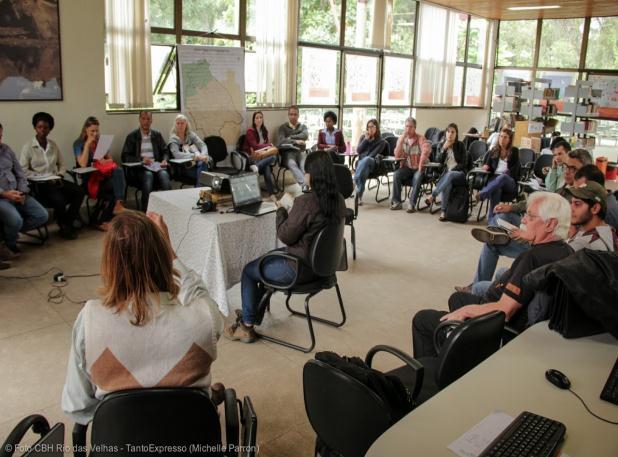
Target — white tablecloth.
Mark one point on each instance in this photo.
(217, 246)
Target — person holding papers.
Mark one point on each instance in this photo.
(107, 184)
(184, 144)
(147, 146)
(18, 211)
(42, 162)
(262, 154)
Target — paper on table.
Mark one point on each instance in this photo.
(154, 166)
(43, 177)
(82, 170)
(475, 440)
(105, 142)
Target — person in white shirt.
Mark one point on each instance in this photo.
(154, 326)
(42, 161)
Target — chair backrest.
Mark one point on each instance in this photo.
(432, 133)
(543, 161)
(161, 417)
(327, 249)
(477, 149)
(346, 415)
(344, 180)
(386, 135)
(217, 149)
(241, 142)
(526, 156)
(468, 345)
(392, 143)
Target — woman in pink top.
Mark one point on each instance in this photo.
(262, 154)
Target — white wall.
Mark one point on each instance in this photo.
(82, 32)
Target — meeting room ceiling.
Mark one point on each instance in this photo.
(498, 9)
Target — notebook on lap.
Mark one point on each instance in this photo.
(246, 195)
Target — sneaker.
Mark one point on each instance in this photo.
(239, 331)
(6, 253)
(466, 289)
(253, 168)
(442, 217)
(490, 235)
(411, 209)
(4, 265)
(305, 188)
(396, 206)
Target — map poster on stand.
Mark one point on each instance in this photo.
(30, 66)
(212, 90)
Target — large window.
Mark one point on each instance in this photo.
(563, 54)
(357, 58)
(207, 22)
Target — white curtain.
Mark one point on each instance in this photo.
(436, 56)
(128, 44)
(275, 51)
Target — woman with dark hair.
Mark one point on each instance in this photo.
(311, 212)
(107, 183)
(502, 162)
(370, 146)
(155, 324)
(42, 161)
(452, 154)
(331, 138)
(262, 154)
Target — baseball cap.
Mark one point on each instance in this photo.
(591, 191)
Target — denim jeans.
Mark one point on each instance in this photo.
(495, 188)
(16, 218)
(265, 169)
(276, 270)
(118, 183)
(196, 171)
(364, 167)
(446, 183)
(407, 176)
(481, 287)
(148, 181)
(490, 254)
(295, 162)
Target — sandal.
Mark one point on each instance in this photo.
(102, 227)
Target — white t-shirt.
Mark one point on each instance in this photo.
(503, 167)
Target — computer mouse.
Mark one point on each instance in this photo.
(557, 378)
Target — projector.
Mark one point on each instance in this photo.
(218, 182)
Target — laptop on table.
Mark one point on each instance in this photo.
(246, 195)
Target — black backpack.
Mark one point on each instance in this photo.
(458, 204)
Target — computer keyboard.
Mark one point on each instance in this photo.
(529, 435)
(610, 391)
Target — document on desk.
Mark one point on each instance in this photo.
(154, 167)
(40, 177)
(475, 440)
(103, 145)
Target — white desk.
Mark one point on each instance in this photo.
(217, 246)
(513, 380)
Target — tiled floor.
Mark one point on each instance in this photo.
(405, 262)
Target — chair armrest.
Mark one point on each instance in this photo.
(79, 440)
(270, 255)
(442, 329)
(417, 368)
(232, 423)
(38, 424)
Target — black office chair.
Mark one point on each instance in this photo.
(167, 417)
(542, 166)
(348, 416)
(50, 443)
(383, 169)
(460, 347)
(217, 149)
(386, 135)
(346, 188)
(327, 255)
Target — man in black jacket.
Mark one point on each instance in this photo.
(147, 146)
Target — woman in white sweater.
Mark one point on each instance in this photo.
(154, 326)
(186, 144)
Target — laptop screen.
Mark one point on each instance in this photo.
(245, 189)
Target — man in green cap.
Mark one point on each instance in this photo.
(588, 209)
